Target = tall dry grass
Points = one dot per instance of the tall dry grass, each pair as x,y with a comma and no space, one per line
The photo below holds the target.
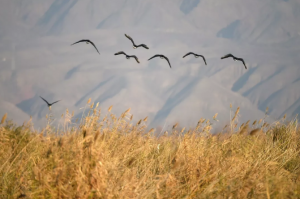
115,158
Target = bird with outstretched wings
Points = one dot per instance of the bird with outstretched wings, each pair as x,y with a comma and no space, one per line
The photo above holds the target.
162,57
87,42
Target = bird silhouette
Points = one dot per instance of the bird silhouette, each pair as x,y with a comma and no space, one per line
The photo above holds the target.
127,56
235,59
87,42
50,104
136,46
196,56
162,57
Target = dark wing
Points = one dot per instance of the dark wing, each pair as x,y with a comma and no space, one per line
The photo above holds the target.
94,46
167,60
143,45
45,101
120,53
135,57
83,40
203,59
54,102
243,62
188,54
154,57
130,39
226,56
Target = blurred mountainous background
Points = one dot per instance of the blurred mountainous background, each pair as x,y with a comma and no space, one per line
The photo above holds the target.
37,59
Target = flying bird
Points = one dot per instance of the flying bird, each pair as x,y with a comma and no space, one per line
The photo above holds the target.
49,105
196,56
162,57
87,42
136,46
235,59
127,56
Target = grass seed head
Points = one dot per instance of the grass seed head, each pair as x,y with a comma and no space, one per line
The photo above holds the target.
236,114
3,118
92,105
242,126
139,122
151,130
127,111
89,100
215,116
267,109
244,130
175,125
145,119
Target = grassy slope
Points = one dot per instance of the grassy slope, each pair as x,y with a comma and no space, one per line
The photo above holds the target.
113,158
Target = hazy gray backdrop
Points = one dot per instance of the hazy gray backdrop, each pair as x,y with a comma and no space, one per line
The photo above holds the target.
36,58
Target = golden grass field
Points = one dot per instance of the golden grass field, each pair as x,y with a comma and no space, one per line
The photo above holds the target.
113,158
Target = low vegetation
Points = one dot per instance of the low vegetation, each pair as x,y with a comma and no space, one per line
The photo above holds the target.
110,157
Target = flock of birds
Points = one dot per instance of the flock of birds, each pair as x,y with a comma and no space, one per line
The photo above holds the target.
87,41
